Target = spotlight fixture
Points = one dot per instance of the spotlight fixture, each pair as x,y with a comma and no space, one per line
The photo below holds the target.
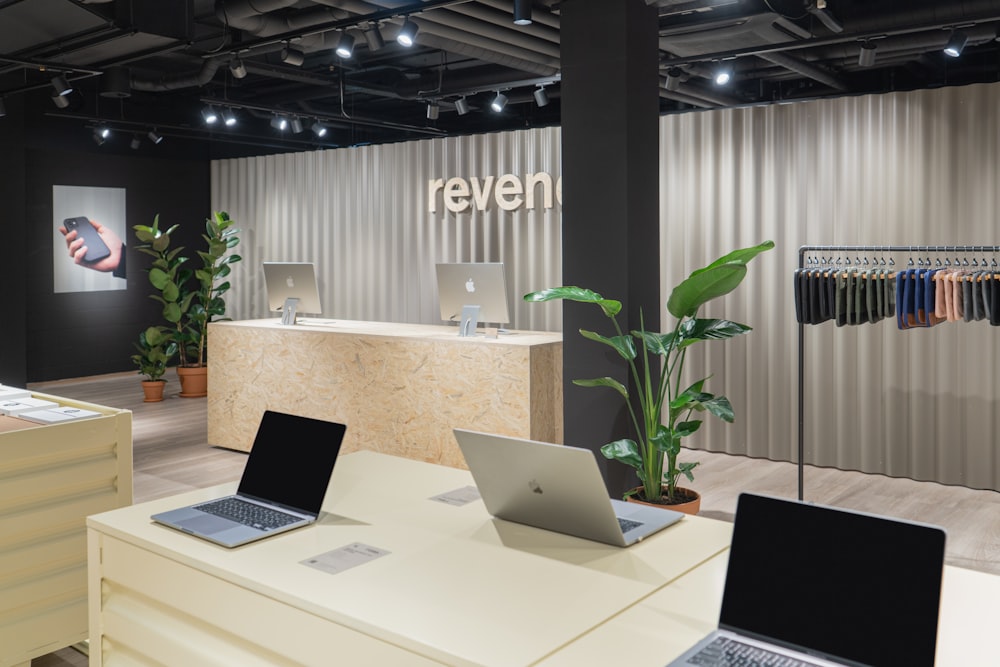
319,129
101,134
61,85
866,56
210,115
135,143
154,136
228,117
673,80
292,56
60,101
433,110
3,108
723,75
296,125
541,97
462,106
956,43
345,48
407,33
279,123
499,102
373,37
237,69
98,139
522,12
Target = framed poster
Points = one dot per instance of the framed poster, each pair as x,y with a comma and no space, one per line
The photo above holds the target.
88,247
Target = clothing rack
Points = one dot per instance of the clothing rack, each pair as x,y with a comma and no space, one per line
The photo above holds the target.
846,262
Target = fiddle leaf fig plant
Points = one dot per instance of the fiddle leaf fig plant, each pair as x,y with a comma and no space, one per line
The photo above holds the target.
662,410
155,350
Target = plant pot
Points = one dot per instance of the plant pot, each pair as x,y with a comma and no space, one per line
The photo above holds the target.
690,501
153,390
194,381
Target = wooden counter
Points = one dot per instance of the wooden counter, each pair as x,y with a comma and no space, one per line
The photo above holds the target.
400,388
51,478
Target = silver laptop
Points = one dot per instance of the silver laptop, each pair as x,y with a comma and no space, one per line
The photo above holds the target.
821,586
555,487
283,484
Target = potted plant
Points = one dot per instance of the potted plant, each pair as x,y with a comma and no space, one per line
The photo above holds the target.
155,350
662,409
191,299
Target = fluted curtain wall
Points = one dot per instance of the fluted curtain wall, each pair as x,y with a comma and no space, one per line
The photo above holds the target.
914,168
362,216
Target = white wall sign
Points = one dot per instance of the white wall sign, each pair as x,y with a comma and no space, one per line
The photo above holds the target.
509,192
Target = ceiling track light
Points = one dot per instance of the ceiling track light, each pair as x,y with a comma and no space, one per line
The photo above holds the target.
723,75
522,12
956,43
541,97
296,125
101,134
98,139
154,136
462,106
60,101
292,56
237,69
319,129
61,85
279,123
433,110
210,115
499,102
866,56
673,80
228,117
135,143
345,48
373,37
407,33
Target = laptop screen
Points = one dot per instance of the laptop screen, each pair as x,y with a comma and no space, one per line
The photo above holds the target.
835,583
292,460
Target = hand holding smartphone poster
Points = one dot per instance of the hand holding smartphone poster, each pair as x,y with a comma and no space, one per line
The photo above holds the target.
88,250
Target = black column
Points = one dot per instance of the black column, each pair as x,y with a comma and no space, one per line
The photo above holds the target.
13,337
610,221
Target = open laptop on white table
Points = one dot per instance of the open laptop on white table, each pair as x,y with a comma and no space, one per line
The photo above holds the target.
555,487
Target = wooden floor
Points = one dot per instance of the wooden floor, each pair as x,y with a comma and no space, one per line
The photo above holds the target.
171,455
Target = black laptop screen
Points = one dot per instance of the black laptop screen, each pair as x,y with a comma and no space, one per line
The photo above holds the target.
292,460
852,586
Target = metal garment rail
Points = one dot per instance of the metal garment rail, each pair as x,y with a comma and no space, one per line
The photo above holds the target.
855,249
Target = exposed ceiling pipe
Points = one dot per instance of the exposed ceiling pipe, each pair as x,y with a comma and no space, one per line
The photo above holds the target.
806,69
502,18
175,82
544,18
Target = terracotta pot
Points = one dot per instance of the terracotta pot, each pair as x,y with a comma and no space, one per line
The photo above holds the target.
194,381
153,390
691,501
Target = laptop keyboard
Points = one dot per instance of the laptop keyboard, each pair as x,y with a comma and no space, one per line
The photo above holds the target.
628,524
248,514
726,652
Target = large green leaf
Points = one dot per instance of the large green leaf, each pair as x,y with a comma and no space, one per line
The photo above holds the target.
656,343
624,345
609,306
604,382
721,408
694,330
624,450
699,289
717,279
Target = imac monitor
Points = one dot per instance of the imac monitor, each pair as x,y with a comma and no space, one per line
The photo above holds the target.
473,284
291,280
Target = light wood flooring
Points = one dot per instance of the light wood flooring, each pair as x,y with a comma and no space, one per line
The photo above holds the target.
171,455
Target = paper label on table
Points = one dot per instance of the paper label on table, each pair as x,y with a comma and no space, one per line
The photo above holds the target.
458,497
345,558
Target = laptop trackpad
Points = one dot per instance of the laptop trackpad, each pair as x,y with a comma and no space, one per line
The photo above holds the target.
205,524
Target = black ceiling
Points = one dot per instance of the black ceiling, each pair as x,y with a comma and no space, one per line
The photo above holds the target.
140,65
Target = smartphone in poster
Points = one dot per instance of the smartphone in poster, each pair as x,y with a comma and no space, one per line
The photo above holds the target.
88,247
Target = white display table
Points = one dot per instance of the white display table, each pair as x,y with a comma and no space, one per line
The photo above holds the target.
400,388
456,587
51,478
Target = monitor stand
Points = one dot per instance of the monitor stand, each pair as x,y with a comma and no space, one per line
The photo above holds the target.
288,311
470,318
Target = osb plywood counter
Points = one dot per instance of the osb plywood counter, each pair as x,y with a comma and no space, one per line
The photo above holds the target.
51,478
400,388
